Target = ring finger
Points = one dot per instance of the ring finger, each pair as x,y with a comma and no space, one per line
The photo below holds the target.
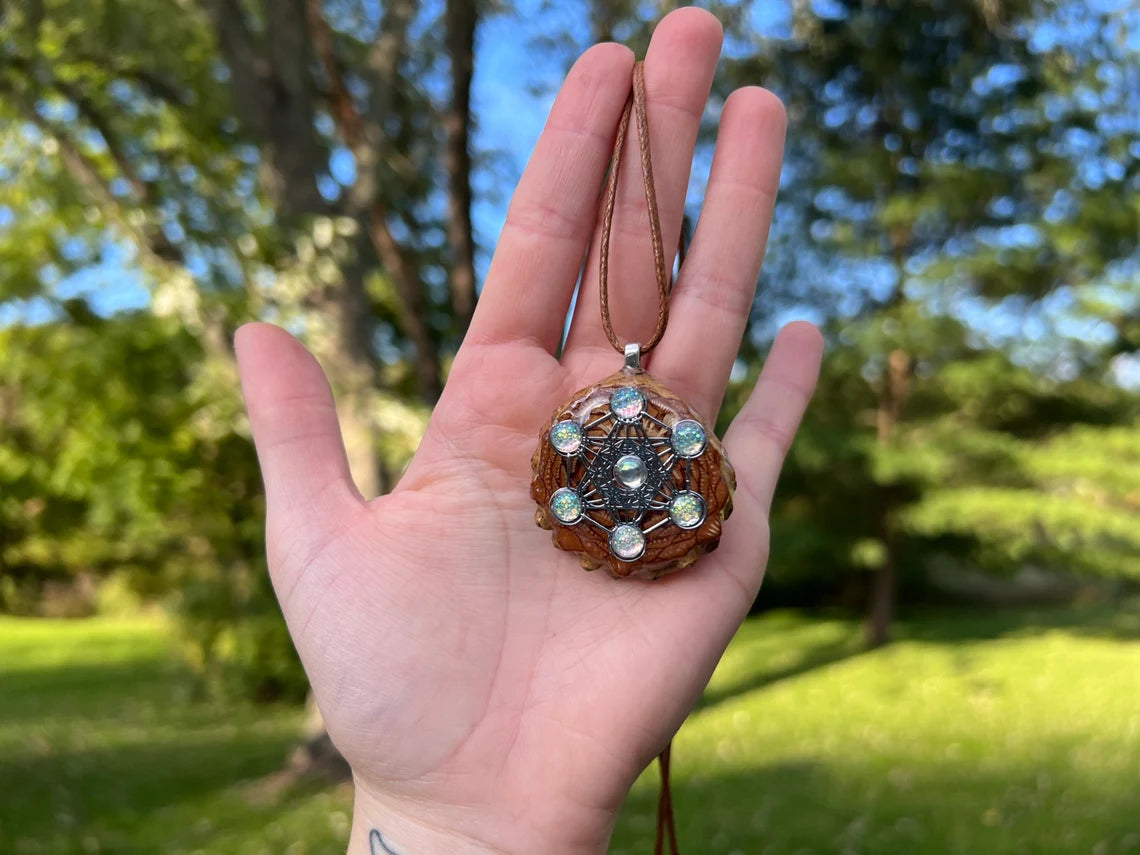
717,285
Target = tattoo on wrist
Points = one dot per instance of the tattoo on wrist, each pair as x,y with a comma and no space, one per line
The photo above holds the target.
378,845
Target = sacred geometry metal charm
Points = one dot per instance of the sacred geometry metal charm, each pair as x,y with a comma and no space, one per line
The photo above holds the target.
628,477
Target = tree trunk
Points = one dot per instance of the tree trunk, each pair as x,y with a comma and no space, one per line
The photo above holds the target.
606,15
315,755
412,308
274,91
354,376
462,17
884,583
355,130
881,606
275,97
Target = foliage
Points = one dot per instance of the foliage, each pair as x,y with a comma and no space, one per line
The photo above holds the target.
995,463
1071,502
94,467
953,149
992,733
126,459
177,141
957,204
115,133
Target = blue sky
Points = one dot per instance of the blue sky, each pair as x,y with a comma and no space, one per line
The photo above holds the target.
511,113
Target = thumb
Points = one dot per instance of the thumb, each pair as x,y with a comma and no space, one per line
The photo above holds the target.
295,429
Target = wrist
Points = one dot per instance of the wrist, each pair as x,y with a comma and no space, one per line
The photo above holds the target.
380,829
382,826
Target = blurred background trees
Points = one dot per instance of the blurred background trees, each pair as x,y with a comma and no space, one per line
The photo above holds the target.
965,174
960,211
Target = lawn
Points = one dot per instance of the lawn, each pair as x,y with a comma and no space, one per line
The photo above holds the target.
1009,732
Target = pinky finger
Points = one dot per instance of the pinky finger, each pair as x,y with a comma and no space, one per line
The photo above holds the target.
759,438
761,434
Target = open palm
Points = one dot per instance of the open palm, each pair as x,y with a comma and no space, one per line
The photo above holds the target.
489,694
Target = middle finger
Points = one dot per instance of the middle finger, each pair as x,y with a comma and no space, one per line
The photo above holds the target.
679,67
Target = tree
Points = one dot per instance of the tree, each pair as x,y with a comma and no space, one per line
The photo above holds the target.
938,160
256,159
118,461
217,180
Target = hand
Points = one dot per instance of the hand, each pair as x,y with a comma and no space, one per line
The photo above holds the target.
489,694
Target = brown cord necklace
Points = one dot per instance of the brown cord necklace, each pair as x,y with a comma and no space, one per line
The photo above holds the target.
636,101
626,474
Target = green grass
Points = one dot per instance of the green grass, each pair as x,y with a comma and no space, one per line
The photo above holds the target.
1010,732
104,749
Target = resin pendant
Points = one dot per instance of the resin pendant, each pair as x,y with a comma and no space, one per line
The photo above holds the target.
630,478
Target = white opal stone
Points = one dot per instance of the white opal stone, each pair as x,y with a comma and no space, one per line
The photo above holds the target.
689,438
627,542
627,403
687,509
566,505
566,437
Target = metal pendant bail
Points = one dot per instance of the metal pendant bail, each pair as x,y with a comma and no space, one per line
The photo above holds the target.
633,358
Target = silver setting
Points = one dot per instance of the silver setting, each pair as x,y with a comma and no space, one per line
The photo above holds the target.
624,480
632,358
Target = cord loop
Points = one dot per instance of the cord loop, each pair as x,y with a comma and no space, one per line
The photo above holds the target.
635,105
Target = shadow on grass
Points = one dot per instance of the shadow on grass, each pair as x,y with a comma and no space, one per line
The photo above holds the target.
951,808
784,645
808,658
116,784
89,689
99,748
1118,620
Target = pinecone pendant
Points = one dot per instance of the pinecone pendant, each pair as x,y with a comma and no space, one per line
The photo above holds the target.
630,478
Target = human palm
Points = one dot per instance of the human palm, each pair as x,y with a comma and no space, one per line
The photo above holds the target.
488,693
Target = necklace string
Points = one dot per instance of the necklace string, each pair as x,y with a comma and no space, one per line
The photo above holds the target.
666,824
635,105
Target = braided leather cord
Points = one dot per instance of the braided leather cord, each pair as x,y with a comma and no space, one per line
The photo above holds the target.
636,106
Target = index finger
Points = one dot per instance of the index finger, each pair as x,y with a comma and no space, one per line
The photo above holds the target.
551,216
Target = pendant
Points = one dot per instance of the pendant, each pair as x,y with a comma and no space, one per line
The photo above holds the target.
630,478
